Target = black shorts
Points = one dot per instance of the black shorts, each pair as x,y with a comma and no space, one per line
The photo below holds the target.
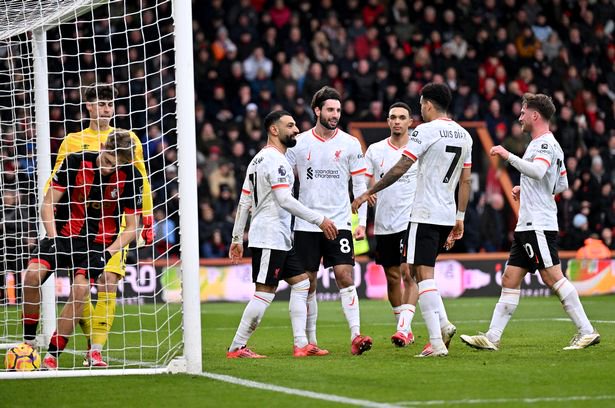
269,266
66,253
534,250
389,248
424,242
311,246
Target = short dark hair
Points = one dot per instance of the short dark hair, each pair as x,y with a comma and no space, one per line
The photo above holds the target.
438,94
273,117
401,105
541,103
121,144
323,94
103,92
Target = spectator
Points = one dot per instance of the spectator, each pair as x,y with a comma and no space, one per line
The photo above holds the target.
607,238
223,175
257,61
493,224
166,234
578,234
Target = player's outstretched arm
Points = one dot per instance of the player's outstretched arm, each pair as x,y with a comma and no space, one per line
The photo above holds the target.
400,168
535,169
128,235
52,197
285,199
147,232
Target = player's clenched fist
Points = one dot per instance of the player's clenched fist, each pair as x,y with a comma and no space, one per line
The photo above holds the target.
329,229
500,151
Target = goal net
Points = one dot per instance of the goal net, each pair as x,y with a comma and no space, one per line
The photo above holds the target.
51,52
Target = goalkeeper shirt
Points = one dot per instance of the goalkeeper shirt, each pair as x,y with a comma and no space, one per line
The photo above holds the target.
90,140
93,203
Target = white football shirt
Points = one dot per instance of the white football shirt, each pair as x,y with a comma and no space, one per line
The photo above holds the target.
442,149
537,209
394,204
270,225
324,168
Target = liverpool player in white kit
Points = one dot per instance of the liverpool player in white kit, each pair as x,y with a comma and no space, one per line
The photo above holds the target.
443,150
543,175
267,190
392,214
326,159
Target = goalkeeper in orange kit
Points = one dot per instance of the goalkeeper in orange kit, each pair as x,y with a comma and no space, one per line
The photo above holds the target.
97,321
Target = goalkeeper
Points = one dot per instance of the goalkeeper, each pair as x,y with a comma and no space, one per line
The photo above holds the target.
97,321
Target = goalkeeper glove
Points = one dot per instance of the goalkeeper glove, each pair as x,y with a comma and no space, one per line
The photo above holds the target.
98,260
147,233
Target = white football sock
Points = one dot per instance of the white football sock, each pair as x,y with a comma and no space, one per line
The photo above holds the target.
504,309
406,315
350,304
429,300
312,316
252,316
569,297
442,315
297,307
396,311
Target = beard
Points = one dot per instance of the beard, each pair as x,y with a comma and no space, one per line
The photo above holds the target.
289,141
326,124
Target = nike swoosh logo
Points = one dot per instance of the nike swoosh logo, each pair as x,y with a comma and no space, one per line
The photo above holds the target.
309,155
401,324
352,303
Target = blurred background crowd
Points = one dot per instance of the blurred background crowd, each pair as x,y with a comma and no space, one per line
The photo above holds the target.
253,56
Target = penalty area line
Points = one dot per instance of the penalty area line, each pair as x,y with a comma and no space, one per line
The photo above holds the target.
297,392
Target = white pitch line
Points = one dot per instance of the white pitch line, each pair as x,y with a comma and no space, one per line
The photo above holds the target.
507,400
297,392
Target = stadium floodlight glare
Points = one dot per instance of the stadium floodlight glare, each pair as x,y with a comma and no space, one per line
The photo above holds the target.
50,51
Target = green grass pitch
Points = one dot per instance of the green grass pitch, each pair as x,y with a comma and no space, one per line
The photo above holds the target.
531,369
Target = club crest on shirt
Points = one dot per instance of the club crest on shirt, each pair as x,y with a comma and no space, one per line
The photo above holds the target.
114,193
338,153
544,146
282,171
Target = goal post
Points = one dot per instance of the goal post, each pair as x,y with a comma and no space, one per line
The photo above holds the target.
50,51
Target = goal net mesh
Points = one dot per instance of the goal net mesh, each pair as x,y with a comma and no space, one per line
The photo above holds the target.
129,44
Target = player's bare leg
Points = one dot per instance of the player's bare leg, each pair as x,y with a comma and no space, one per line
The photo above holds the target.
403,302
70,315
350,305
34,276
503,311
569,297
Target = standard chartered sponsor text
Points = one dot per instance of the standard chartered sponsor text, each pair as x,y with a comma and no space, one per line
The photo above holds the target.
326,173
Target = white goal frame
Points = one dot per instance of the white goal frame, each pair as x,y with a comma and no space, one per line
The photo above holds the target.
191,360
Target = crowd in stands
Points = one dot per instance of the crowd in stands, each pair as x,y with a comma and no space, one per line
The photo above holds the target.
253,56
